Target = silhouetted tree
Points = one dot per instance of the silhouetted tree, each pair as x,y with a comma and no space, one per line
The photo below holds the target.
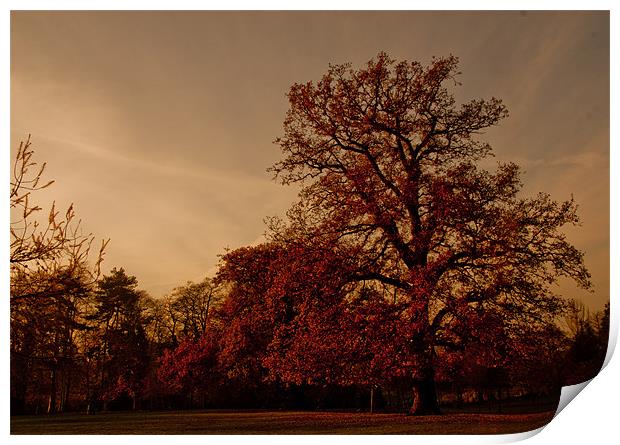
587,342
122,348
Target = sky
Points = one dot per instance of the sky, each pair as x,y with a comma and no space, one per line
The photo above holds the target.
159,126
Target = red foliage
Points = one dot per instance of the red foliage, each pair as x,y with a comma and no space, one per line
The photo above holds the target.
192,365
387,159
402,258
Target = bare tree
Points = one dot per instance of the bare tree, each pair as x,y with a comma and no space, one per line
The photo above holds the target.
192,306
55,247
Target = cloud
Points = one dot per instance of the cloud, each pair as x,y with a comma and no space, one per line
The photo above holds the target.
161,139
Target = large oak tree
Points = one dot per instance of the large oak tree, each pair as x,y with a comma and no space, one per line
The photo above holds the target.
389,164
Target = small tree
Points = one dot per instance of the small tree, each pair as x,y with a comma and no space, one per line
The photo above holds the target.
191,368
247,315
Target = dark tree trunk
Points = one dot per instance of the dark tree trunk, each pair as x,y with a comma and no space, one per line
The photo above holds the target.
424,391
372,398
424,397
20,372
51,404
66,388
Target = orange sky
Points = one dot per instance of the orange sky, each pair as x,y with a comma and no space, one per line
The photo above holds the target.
159,126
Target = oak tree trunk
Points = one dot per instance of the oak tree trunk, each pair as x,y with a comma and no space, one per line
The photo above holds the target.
424,394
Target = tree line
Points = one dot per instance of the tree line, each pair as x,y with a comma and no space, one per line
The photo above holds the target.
233,342
405,274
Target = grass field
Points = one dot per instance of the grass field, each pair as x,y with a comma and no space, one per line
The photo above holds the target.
275,422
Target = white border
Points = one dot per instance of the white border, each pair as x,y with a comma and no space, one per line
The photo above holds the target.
592,417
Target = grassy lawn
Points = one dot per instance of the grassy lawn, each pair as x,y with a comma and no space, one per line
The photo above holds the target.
275,422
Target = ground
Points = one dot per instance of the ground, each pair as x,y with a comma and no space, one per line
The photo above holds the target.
275,422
